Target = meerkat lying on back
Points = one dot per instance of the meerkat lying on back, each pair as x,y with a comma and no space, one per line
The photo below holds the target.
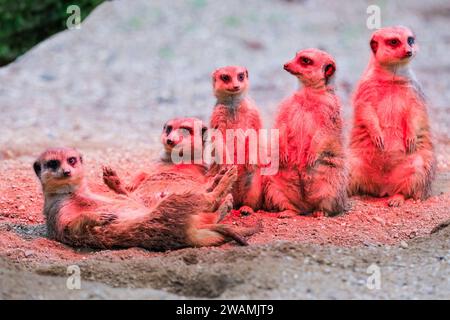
166,177
78,217
235,110
391,151
312,174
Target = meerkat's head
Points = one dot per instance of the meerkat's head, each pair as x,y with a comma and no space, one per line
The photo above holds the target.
60,170
393,45
230,81
181,134
313,67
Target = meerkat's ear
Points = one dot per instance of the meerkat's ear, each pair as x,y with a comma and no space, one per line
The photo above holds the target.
374,45
166,125
204,135
213,76
329,70
246,72
81,159
37,168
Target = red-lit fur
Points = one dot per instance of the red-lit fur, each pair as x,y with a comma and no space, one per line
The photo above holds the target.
235,110
79,217
312,174
165,177
391,152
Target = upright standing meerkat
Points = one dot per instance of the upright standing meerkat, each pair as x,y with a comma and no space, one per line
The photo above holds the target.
234,110
312,175
79,217
166,177
391,152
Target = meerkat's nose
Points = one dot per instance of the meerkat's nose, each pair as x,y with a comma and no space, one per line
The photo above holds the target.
67,173
408,54
170,142
236,87
286,66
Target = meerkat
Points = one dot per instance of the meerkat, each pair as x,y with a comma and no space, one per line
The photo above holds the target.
312,176
236,111
166,177
391,151
81,218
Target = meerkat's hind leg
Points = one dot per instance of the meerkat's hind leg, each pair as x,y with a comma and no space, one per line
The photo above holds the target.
253,198
215,197
112,180
359,182
225,207
215,181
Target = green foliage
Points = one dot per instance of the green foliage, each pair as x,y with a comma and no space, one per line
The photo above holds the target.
25,23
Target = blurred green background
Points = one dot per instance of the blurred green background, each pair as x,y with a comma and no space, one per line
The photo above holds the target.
25,23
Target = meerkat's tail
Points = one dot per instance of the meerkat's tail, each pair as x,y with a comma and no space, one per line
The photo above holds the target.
214,234
237,233
229,234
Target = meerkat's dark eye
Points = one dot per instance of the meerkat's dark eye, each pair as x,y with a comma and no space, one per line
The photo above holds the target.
411,41
393,42
306,61
241,76
53,164
168,129
225,78
72,161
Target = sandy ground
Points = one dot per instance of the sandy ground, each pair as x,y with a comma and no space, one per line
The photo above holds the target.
108,88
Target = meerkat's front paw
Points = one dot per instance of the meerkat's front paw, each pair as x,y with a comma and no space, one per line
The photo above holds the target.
410,144
286,214
318,214
107,218
216,179
108,172
379,142
230,175
246,211
111,179
311,159
396,200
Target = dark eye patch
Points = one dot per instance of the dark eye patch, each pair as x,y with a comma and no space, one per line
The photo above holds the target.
225,78
411,40
393,42
72,161
241,76
305,61
168,129
53,164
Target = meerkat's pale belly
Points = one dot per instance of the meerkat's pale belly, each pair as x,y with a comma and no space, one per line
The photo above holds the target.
299,139
391,115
